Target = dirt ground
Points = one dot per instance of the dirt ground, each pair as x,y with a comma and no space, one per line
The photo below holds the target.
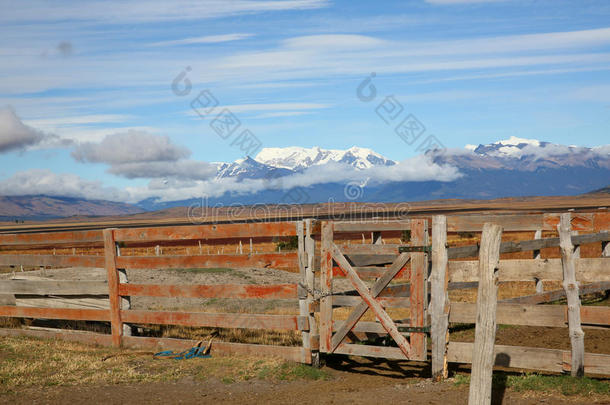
353,386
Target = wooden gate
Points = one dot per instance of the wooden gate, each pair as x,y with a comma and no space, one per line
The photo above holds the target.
384,265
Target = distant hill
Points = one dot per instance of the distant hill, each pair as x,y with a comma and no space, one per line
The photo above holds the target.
605,190
37,207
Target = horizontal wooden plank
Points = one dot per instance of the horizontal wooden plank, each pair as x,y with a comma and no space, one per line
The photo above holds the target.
51,238
372,226
202,232
352,301
530,358
216,320
63,301
588,270
533,315
52,260
272,291
510,222
56,313
579,221
460,252
67,335
272,260
554,295
290,353
53,287
512,314
392,353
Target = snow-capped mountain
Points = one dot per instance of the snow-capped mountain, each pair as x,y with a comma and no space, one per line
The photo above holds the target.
297,158
508,168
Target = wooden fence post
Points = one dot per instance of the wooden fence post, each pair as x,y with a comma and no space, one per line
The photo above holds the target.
487,303
125,301
302,292
439,305
314,333
326,270
113,287
538,256
570,285
418,287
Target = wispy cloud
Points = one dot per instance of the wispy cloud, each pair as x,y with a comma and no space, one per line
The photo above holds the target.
209,39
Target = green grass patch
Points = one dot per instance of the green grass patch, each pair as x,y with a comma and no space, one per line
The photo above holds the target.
564,384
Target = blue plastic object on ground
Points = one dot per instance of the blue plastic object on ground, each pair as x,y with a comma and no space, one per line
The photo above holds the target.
193,352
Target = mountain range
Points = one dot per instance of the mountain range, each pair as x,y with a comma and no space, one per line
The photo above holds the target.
514,167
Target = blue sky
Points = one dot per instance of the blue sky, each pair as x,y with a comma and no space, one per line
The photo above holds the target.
471,71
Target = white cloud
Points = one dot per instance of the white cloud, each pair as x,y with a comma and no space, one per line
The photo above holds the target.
45,182
130,147
15,135
209,39
138,154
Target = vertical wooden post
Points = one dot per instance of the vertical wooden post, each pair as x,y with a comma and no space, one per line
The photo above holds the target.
606,249
570,285
326,304
418,287
439,305
314,334
113,287
485,329
303,309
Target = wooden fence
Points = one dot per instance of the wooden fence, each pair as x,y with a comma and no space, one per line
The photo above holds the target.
405,286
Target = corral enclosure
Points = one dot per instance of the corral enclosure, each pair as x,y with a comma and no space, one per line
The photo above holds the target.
391,288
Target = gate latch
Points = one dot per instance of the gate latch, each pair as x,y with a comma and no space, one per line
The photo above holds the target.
410,249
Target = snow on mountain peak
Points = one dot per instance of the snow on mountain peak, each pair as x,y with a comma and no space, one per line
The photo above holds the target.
516,141
298,158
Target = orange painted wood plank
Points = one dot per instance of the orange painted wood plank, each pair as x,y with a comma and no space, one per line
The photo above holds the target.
51,238
275,291
220,231
418,296
113,287
56,313
272,260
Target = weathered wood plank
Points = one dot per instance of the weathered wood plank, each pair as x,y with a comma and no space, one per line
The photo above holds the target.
439,304
314,333
392,353
63,301
216,320
326,304
531,358
52,238
52,260
370,327
372,226
532,315
588,270
485,329
303,304
509,222
112,276
375,307
418,288
528,245
199,232
272,260
67,335
275,291
373,272
56,313
53,287
570,285
555,295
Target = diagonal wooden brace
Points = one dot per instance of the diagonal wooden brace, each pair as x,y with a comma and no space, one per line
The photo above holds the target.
370,301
